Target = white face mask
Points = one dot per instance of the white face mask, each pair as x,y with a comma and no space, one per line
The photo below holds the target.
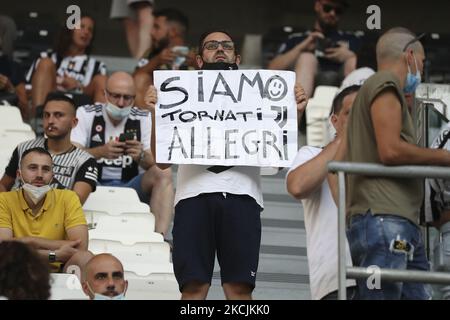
36,194
98,296
117,113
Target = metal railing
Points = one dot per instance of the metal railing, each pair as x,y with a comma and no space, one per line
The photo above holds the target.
383,171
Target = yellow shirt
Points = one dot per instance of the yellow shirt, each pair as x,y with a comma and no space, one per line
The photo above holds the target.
61,211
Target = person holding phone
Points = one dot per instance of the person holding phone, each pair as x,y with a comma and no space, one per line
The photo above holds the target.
117,134
168,51
322,55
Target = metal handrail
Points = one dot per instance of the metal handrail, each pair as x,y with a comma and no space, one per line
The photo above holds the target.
370,169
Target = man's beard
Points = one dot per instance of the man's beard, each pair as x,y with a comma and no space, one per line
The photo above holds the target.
326,27
160,45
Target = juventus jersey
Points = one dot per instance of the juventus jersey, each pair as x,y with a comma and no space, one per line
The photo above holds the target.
68,168
82,68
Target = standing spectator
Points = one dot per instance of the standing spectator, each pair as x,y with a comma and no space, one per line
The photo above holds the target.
217,209
50,220
117,134
437,214
168,50
69,67
104,278
383,212
73,168
137,17
24,275
323,55
307,181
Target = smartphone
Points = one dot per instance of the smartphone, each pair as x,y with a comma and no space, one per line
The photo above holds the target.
181,53
323,44
126,136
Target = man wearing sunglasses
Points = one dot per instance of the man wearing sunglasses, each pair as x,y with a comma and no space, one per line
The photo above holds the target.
217,208
323,55
117,134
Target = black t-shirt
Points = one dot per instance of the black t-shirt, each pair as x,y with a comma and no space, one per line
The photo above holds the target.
12,70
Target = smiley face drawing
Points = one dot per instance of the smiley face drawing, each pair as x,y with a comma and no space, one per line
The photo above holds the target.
276,88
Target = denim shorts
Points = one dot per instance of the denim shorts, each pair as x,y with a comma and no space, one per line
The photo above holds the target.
392,242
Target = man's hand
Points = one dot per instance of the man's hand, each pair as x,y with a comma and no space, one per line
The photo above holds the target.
134,149
67,251
309,44
151,98
68,83
113,149
301,99
339,54
5,84
167,56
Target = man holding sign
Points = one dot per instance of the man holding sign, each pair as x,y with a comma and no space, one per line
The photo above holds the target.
218,199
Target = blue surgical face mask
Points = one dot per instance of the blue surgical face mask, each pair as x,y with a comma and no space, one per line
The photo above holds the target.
412,81
117,113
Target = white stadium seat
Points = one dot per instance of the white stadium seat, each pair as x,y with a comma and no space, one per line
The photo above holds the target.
154,287
66,286
155,251
126,229
115,201
317,115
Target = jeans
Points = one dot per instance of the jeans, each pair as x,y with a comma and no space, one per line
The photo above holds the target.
387,241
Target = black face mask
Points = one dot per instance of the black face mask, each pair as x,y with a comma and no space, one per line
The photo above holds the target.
219,66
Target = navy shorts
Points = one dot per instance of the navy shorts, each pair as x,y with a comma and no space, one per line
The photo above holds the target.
226,224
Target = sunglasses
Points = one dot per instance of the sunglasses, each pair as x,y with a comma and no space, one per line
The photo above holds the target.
413,40
214,44
327,8
116,96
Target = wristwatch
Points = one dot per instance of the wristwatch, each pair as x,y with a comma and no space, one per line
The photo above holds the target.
141,156
52,256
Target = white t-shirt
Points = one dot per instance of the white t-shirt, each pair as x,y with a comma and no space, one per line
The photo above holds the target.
320,214
193,180
81,134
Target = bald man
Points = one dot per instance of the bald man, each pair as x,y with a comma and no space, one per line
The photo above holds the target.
384,212
103,278
117,134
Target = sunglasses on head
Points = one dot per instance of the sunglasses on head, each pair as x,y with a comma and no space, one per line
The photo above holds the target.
327,8
214,44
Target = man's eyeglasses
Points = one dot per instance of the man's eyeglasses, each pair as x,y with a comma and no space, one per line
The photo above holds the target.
214,44
127,98
327,8
413,40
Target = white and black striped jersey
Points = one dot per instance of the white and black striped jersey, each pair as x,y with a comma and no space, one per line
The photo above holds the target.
68,168
95,128
82,68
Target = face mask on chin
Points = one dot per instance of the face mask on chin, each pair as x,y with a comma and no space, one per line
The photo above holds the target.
36,194
412,81
117,113
98,296
219,66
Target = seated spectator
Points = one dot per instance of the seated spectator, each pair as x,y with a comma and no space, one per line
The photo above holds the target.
118,135
168,50
69,67
323,55
137,18
103,278
12,85
73,168
50,220
23,273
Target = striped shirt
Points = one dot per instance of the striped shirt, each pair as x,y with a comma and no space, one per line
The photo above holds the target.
82,68
68,168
